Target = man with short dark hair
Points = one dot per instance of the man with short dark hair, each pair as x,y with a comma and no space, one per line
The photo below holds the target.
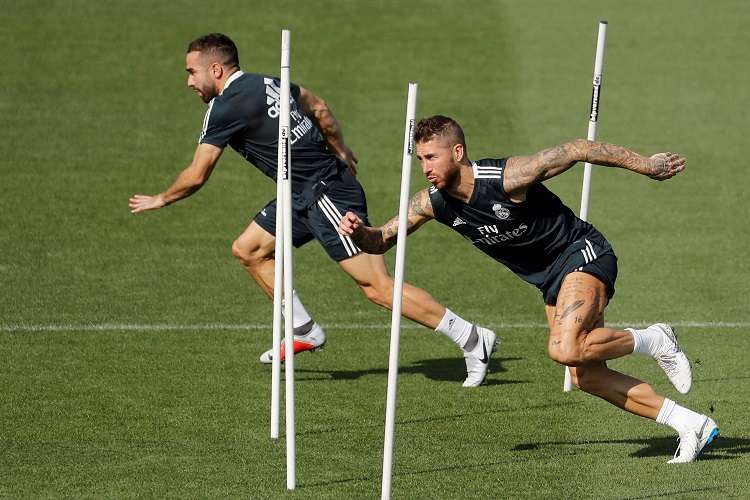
502,207
243,111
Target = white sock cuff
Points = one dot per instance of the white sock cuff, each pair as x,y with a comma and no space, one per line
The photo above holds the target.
636,339
299,313
647,341
454,327
443,326
666,410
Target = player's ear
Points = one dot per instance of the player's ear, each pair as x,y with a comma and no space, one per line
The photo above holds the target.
216,70
458,152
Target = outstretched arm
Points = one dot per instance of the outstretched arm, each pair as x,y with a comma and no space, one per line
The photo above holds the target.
189,181
380,239
318,111
522,172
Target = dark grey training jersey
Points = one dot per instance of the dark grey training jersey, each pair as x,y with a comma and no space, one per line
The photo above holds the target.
531,238
245,116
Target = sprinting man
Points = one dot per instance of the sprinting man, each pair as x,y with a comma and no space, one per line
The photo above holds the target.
243,110
502,207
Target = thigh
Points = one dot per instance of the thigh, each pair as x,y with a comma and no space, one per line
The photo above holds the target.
266,220
256,240
366,269
579,308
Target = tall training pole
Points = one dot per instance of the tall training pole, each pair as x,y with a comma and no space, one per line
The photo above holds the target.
398,287
278,288
291,451
593,120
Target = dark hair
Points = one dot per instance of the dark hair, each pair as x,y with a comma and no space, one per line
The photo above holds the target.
440,126
219,45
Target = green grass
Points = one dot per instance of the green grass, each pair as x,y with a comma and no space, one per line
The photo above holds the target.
94,108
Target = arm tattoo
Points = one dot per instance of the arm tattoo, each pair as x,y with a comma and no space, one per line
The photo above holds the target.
609,155
371,239
522,172
420,207
379,240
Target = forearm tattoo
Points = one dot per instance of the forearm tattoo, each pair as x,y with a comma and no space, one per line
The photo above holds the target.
611,155
371,240
380,240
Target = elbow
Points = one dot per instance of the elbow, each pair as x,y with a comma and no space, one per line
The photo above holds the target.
192,184
196,183
196,177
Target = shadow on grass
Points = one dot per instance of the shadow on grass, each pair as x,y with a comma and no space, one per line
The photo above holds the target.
405,473
441,369
723,448
676,492
448,417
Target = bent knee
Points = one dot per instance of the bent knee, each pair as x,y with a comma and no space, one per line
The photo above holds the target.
380,293
250,254
565,352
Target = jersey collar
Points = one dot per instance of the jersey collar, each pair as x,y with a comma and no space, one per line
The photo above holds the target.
232,78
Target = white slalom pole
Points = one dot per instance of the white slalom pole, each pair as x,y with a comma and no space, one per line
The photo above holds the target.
398,286
286,180
593,120
278,274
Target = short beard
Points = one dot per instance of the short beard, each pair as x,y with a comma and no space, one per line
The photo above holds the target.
206,98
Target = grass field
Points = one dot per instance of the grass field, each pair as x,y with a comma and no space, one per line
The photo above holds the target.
130,344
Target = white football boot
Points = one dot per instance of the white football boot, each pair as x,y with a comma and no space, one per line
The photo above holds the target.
694,441
672,360
313,340
478,359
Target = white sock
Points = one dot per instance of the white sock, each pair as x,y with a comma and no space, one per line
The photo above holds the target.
678,417
455,328
299,314
647,341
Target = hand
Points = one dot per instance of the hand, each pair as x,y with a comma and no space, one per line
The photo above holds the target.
350,223
347,156
662,166
141,203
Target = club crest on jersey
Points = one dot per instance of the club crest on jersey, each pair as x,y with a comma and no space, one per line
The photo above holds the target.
500,211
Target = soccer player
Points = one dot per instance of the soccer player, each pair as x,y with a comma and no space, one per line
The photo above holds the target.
502,207
243,110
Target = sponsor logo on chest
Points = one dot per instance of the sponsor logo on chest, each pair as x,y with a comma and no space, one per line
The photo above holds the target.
490,234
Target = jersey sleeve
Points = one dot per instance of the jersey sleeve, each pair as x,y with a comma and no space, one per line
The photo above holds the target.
220,124
294,91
